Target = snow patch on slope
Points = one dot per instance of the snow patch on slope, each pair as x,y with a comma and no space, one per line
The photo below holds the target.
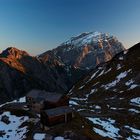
136,133
119,66
118,78
13,130
135,101
133,86
134,110
94,74
20,100
39,136
71,102
59,138
128,83
108,128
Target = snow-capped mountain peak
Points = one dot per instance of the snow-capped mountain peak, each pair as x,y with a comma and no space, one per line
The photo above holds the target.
87,50
87,38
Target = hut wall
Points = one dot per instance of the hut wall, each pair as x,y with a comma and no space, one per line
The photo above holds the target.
37,107
49,121
64,101
44,118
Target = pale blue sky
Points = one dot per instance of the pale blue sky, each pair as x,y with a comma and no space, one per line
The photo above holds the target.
40,25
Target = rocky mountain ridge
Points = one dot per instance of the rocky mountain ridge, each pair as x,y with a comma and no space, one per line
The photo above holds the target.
85,51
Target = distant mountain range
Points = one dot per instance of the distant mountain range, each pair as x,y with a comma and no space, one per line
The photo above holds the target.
57,69
110,96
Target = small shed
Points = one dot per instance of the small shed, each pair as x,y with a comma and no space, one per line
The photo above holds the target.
40,99
56,115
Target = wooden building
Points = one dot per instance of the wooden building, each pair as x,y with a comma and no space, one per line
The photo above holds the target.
56,115
40,99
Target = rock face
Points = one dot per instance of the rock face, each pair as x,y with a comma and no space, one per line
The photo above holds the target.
5,119
55,70
14,82
20,72
109,94
85,51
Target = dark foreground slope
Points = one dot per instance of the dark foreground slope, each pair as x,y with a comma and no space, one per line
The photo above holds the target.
109,97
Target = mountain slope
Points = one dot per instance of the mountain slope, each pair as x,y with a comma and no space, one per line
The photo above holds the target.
109,96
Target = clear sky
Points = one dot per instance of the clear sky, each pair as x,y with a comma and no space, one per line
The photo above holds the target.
40,25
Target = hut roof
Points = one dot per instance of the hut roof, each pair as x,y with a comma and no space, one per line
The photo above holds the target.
40,95
58,111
